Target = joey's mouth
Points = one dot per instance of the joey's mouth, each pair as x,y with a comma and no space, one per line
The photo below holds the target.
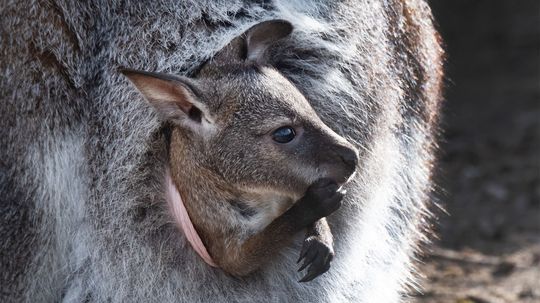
347,180
342,185
341,179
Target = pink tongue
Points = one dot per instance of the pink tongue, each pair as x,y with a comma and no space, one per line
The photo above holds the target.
182,218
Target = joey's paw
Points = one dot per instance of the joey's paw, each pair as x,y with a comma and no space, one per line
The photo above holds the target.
317,255
324,197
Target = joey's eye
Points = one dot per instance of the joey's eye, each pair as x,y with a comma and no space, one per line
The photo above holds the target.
284,134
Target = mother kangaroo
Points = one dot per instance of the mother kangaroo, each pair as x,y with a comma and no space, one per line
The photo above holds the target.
83,213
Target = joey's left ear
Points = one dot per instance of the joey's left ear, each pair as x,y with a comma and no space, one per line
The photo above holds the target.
174,97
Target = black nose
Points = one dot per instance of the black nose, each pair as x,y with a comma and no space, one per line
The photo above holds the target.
349,157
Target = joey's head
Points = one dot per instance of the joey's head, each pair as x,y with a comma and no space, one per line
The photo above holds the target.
242,120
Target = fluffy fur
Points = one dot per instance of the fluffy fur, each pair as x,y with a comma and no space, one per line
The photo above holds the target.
82,209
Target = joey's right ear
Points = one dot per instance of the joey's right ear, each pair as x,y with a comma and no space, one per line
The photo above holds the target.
174,98
253,44
261,36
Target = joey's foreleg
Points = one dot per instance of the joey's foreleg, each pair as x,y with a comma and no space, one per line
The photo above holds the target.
321,199
317,250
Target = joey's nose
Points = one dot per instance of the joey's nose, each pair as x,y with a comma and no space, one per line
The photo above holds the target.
340,164
349,157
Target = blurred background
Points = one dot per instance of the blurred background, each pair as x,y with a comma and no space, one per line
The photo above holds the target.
489,246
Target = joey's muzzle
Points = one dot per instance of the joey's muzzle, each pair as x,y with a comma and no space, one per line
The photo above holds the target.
349,157
340,163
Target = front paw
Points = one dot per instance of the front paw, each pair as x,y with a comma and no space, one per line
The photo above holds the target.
317,254
324,197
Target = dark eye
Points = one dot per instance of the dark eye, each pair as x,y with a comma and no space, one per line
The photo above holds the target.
284,134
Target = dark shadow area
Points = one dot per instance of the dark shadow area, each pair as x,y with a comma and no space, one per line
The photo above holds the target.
490,159
491,149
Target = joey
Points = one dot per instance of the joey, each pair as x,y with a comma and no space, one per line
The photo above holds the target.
251,159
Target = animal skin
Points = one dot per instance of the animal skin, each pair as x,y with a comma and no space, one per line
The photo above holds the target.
82,197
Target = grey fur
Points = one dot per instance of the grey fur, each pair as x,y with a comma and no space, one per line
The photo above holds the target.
82,158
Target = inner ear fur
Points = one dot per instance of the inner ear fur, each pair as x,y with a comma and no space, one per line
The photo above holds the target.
173,97
253,44
261,36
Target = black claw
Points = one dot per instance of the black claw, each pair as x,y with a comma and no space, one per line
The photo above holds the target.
309,259
303,252
303,266
317,257
309,276
303,280
314,272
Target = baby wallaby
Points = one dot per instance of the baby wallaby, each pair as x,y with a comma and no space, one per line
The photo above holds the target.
251,159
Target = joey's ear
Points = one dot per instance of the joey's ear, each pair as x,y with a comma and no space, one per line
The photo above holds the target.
253,43
261,36
174,97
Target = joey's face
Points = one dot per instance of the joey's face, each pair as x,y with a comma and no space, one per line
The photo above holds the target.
268,137
247,123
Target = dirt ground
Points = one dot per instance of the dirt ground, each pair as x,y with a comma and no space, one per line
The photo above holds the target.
489,242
